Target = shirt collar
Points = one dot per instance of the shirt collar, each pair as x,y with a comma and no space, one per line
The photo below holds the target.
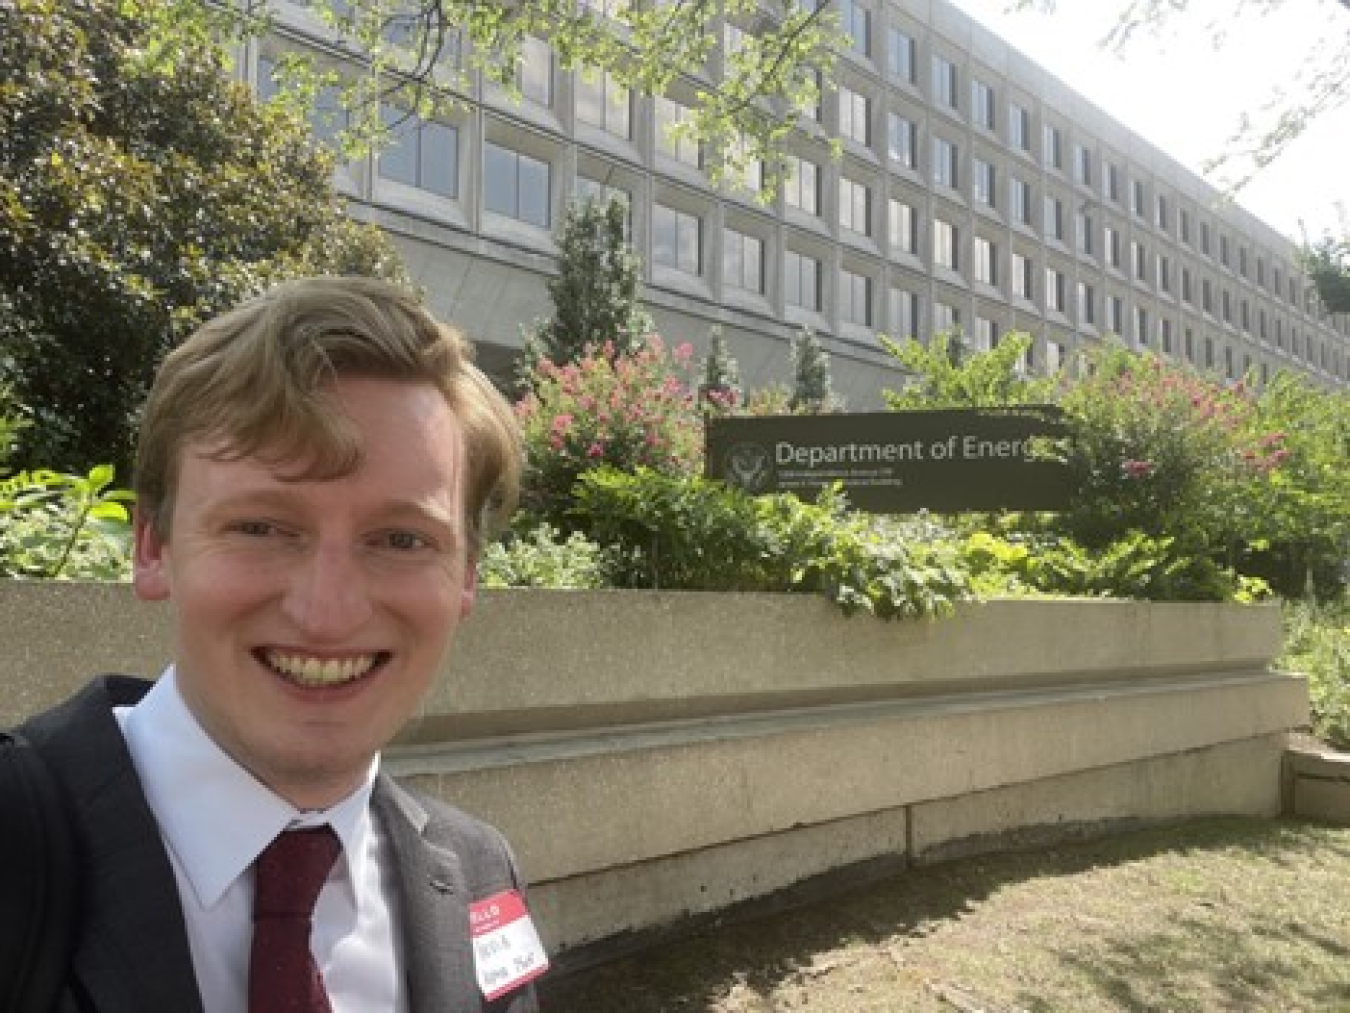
214,815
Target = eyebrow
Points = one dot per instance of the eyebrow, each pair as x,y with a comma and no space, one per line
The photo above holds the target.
407,510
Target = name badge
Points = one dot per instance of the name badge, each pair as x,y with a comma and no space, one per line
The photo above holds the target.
507,951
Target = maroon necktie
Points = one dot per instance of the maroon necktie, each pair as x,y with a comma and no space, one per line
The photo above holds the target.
282,976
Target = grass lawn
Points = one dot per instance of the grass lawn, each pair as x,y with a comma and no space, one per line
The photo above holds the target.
1215,915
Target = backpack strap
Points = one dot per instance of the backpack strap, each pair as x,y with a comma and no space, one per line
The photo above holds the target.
39,879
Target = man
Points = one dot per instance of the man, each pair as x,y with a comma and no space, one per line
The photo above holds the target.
315,473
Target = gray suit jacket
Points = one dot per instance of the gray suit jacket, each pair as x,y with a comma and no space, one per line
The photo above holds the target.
132,954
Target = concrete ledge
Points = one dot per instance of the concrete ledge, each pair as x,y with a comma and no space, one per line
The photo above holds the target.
1318,784
660,757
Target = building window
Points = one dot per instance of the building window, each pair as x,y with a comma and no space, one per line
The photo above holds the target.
1137,202
604,103
944,82
855,116
1082,164
986,261
1087,304
1083,232
900,53
945,163
1113,183
677,239
1054,218
1019,127
982,104
902,226
1111,241
1164,273
945,244
516,185
855,21
1140,326
801,280
1164,213
855,298
1021,276
421,153
983,181
1054,147
534,72
669,142
903,140
986,334
1115,315
1054,290
1138,260
946,318
855,206
742,261
802,187
1019,200
1184,221
904,312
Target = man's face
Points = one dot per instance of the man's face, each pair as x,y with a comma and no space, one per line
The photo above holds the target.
311,616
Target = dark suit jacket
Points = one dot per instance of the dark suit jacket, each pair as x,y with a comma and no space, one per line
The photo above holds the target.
132,954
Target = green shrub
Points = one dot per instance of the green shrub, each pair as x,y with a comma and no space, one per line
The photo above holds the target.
54,525
697,534
1317,644
544,558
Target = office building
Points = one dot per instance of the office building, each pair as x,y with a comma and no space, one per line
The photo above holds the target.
975,192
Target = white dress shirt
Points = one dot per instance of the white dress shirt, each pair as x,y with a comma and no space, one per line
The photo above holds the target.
216,818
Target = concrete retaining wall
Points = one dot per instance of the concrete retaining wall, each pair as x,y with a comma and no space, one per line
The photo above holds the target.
659,755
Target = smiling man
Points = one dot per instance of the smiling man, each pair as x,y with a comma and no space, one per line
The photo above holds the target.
316,472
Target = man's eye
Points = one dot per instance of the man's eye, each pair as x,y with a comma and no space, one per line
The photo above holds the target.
255,529
404,541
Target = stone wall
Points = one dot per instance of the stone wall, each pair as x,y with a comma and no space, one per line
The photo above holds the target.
659,756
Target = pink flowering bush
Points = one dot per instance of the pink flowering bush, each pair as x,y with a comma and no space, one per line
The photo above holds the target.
1167,453
627,411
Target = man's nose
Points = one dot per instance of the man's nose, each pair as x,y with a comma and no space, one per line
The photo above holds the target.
327,597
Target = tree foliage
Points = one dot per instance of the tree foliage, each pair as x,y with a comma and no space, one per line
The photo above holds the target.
141,191
812,386
984,379
597,292
720,391
744,84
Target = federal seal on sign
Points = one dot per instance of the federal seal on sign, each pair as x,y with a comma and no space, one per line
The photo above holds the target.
747,466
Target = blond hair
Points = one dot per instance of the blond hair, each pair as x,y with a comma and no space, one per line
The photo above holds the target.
252,380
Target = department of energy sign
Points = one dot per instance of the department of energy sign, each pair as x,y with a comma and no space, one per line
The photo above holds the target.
899,462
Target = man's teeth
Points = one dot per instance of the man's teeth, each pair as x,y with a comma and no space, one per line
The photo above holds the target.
311,671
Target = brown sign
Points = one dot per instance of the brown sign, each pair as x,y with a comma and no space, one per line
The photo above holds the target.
899,462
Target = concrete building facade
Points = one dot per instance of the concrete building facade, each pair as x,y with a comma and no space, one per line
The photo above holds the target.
975,192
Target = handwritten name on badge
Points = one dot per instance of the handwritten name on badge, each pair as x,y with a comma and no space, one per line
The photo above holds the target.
507,951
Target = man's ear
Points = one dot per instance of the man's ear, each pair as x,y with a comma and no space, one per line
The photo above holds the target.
149,560
469,592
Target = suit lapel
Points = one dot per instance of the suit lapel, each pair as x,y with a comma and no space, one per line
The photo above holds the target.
133,953
434,899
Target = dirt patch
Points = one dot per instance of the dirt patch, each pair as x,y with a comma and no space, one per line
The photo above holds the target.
1210,916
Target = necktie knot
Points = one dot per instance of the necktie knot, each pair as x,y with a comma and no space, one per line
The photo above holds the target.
291,871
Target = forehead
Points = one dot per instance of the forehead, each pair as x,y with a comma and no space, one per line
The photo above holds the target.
399,435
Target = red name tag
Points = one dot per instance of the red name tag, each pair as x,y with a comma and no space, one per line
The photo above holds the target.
507,951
